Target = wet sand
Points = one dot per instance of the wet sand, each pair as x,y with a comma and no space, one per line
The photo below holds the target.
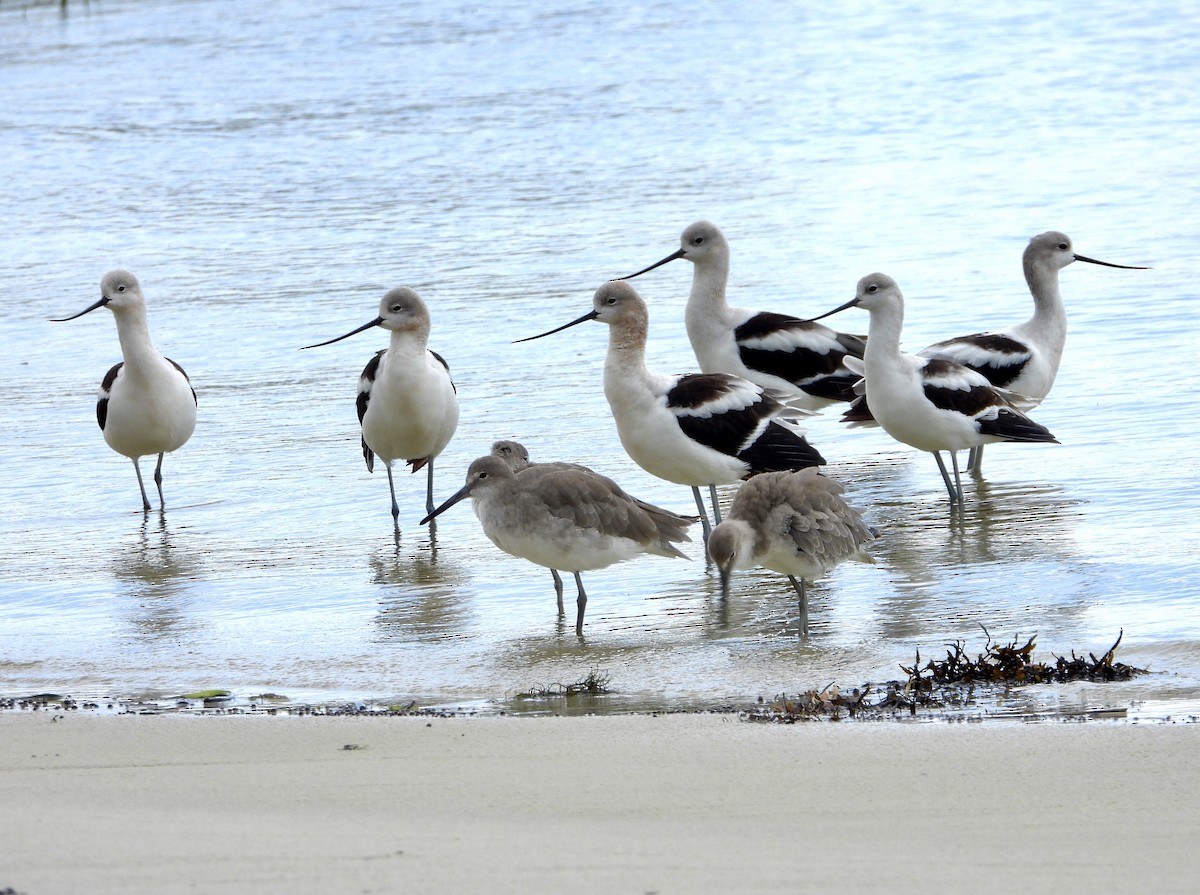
639,804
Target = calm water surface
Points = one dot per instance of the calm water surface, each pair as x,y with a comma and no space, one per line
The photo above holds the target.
269,171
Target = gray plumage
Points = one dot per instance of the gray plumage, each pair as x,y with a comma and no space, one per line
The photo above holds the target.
565,516
794,523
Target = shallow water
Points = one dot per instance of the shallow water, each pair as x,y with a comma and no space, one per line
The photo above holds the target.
268,174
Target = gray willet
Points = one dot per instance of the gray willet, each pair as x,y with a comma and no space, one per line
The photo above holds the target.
563,516
794,523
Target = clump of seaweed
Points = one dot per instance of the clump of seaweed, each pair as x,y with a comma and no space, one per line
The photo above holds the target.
828,702
943,683
595,684
1009,663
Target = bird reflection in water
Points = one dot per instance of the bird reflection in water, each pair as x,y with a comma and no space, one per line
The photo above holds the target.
1005,542
156,574
421,596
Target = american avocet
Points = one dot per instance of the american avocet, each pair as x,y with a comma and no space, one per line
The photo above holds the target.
564,516
933,404
516,456
407,405
774,350
693,429
146,403
1021,359
794,523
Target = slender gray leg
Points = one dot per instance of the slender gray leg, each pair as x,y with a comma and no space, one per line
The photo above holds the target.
429,489
392,489
712,491
558,589
581,603
799,585
158,481
145,500
957,478
954,498
975,460
703,512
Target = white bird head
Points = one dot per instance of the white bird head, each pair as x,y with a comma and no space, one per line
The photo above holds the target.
400,310
874,292
120,292
699,243
1052,250
615,303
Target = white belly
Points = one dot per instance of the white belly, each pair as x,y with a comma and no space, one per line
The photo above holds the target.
152,415
408,420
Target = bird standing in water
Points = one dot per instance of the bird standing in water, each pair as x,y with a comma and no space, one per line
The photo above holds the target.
692,429
146,403
794,523
407,404
932,404
778,351
564,516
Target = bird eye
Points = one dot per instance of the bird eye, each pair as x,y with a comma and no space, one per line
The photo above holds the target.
120,288
698,240
483,475
610,301
872,288
1063,246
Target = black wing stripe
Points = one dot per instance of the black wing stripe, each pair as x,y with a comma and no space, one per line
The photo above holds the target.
725,432
105,390
697,389
1012,356
966,401
364,394
186,378
794,366
441,360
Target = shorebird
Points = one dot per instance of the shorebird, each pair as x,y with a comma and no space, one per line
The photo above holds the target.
146,403
516,456
795,356
933,404
1021,359
794,523
692,429
407,404
564,516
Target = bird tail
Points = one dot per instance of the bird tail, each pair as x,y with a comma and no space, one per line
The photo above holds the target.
1012,426
859,415
778,449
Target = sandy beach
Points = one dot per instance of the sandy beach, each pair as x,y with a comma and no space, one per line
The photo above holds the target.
641,804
